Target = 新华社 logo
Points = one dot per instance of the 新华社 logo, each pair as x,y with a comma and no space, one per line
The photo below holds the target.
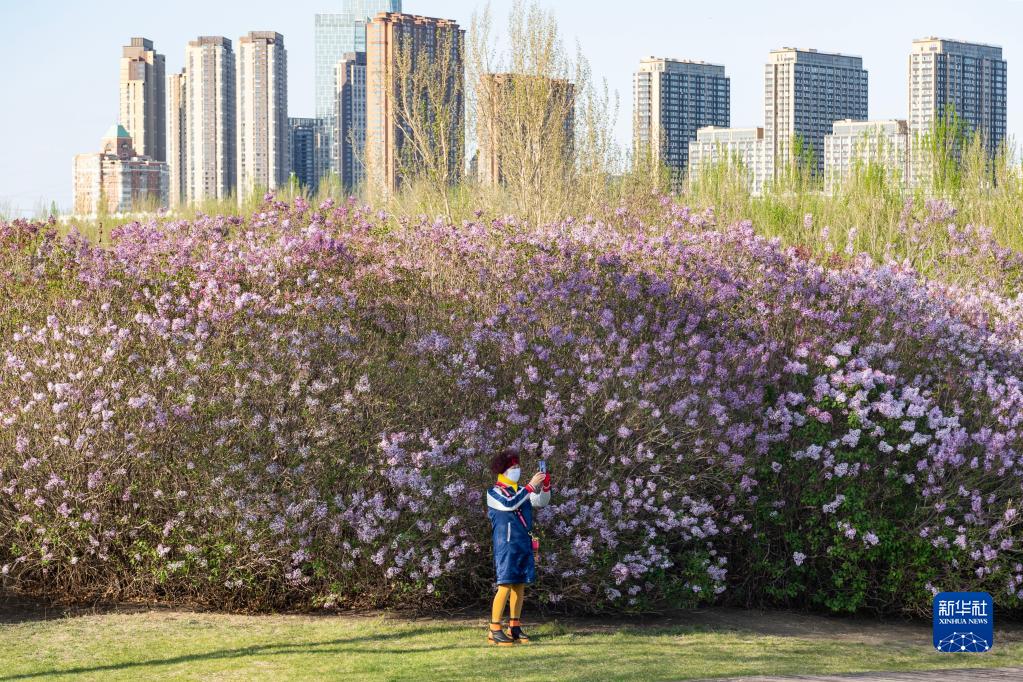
964,622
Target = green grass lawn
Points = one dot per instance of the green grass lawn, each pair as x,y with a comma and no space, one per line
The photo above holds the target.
175,645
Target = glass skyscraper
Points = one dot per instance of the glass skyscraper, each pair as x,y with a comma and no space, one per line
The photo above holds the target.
335,35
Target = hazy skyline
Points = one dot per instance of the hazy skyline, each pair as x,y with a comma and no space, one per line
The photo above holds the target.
61,59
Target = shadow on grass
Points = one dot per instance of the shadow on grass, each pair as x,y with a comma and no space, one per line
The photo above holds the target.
335,646
591,657
283,649
15,609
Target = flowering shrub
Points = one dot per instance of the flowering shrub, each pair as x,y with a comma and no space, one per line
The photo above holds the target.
298,408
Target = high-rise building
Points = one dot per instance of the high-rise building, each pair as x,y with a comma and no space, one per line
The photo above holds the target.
303,151
951,76
117,179
805,92
552,103
884,144
142,98
176,137
740,149
672,99
210,119
262,126
394,39
334,36
349,137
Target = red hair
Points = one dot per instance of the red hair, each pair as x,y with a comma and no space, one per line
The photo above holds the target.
503,461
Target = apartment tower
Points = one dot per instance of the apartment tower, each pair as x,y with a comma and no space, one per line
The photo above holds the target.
805,92
176,137
954,77
349,136
302,149
262,127
672,100
210,118
142,98
388,37
969,78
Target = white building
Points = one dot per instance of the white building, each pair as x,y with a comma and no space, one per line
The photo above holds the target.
210,119
742,149
262,128
864,143
176,130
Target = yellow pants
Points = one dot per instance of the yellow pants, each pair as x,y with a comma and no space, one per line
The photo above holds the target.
514,593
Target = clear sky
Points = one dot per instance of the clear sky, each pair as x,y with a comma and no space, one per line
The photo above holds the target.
59,58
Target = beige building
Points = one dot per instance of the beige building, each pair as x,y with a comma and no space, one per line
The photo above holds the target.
176,137
142,98
262,125
116,179
210,138
884,144
743,150
500,144
388,36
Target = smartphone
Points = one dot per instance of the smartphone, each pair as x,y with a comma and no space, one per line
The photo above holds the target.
543,466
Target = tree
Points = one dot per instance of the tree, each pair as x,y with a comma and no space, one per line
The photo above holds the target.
542,131
425,113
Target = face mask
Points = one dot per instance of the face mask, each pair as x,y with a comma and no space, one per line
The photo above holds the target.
513,474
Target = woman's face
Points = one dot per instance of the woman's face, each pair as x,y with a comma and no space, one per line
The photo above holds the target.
513,473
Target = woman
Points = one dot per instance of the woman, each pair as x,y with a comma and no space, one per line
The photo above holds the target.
510,508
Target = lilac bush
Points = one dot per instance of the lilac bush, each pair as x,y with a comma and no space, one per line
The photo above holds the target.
296,409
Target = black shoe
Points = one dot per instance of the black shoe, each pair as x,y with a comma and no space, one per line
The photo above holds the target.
518,636
499,638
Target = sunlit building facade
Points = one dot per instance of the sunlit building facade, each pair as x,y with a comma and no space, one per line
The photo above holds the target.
142,95
262,123
738,150
852,144
117,179
210,120
387,35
